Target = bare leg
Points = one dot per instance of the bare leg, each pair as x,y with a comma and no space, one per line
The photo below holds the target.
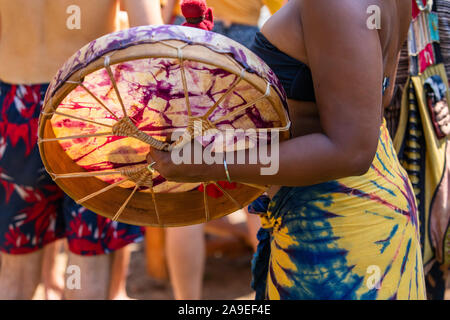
253,225
91,273
52,276
20,275
119,273
185,249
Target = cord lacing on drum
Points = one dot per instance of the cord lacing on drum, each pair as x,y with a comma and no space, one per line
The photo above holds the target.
126,128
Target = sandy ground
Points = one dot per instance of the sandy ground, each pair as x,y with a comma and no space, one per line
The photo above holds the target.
227,270
226,277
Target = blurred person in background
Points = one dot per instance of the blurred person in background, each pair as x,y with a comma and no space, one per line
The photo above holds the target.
237,20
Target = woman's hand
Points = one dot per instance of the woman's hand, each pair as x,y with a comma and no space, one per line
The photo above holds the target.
184,172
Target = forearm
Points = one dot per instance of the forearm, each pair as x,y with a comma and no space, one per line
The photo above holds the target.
301,161
142,12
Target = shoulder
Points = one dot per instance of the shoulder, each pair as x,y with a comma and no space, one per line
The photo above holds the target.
336,9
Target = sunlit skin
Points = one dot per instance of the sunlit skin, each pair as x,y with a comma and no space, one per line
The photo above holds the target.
35,51
34,44
337,136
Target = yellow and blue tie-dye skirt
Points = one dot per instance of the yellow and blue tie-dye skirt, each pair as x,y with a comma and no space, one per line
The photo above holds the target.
352,238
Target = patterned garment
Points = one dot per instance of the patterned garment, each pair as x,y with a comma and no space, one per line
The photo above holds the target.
31,214
392,112
423,156
30,201
417,146
353,238
443,10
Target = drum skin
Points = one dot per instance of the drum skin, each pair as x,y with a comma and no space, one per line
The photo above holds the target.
161,78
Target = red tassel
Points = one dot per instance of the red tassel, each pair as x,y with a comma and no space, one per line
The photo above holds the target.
197,14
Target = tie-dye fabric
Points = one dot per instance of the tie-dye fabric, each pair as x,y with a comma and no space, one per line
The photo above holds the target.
353,238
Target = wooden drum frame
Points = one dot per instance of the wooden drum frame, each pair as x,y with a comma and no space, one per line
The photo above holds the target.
129,205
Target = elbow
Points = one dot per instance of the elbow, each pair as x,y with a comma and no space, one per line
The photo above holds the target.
356,154
359,163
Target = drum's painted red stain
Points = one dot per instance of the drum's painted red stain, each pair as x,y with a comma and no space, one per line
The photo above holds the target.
108,140
69,123
256,117
106,80
80,140
108,165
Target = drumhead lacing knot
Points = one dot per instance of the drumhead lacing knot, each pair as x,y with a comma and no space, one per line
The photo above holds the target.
140,176
126,128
